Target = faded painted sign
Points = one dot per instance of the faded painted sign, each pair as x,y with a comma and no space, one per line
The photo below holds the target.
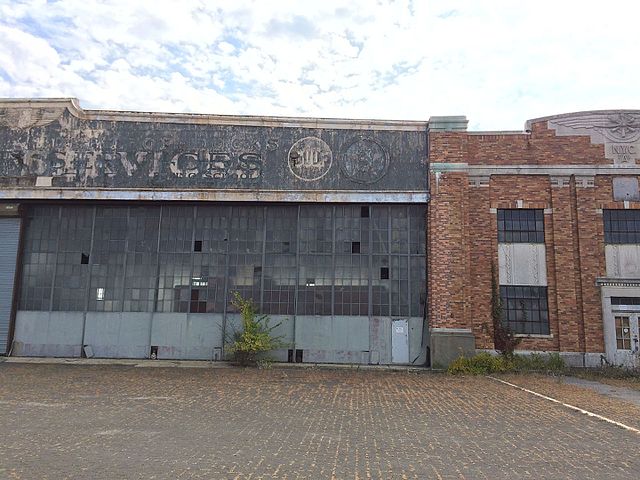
86,152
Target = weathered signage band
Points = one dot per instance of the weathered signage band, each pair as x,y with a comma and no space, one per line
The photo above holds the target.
89,153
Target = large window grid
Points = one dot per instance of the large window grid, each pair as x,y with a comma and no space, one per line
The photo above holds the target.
521,225
246,245
39,260
72,262
141,271
525,309
621,226
279,262
107,259
315,285
417,232
352,260
316,260
210,248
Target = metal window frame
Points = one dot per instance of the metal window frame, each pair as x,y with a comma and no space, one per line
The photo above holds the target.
228,211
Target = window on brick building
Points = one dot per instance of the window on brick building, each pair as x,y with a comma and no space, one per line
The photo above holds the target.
621,226
623,333
625,300
525,309
520,225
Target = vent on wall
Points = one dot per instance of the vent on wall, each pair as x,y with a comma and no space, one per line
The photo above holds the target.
297,358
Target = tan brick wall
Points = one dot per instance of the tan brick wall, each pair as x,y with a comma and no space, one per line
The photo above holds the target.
462,236
447,250
541,147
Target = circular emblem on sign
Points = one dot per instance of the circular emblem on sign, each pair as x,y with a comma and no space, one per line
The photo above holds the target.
310,158
364,160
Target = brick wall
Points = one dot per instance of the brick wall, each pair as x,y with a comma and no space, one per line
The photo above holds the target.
462,236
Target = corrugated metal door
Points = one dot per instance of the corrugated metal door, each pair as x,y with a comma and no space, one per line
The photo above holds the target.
9,236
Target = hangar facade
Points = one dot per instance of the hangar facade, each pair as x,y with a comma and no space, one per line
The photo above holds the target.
124,234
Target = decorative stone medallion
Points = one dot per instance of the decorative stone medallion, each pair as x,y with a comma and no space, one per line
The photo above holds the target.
619,131
310,158
364,160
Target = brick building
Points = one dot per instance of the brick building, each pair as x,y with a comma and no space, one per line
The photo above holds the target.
554,209
124,234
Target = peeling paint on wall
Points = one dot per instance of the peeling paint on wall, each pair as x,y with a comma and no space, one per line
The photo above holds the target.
88,153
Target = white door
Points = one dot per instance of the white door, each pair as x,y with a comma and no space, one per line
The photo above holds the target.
400,341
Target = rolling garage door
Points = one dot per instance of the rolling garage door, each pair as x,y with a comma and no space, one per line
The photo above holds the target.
9,236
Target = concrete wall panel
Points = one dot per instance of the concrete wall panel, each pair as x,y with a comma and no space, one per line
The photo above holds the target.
351,333
623,261
118,335
314,332
522,264
380,340
48,334
187,336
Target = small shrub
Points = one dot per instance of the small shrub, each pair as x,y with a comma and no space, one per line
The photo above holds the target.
484,364
256,336
555,363
480,364
532,362
538,362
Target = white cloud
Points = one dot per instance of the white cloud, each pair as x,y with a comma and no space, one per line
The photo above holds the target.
498,62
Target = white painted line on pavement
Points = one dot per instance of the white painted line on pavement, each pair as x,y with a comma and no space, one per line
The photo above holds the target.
568,405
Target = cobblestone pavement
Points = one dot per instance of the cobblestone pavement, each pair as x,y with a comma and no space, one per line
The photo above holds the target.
112,422
564,389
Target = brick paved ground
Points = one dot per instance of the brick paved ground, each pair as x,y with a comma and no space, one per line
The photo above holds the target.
560,389
111,422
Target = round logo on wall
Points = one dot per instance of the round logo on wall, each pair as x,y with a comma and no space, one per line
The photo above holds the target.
310,158
364,160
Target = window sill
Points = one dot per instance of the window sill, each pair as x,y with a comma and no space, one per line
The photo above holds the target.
532,335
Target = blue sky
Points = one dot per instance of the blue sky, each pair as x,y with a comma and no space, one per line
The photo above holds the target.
498,62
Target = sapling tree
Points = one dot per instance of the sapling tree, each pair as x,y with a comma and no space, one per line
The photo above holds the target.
255,336
504,339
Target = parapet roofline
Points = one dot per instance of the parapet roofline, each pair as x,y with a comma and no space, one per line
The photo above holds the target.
73,105
580,114
435,123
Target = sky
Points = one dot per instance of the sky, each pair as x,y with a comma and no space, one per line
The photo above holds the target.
497,62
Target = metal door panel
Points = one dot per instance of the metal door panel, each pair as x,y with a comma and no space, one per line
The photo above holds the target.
400,341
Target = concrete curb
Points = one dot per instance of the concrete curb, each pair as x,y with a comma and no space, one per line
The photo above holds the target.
145,363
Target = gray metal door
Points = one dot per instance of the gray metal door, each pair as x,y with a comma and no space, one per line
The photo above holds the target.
9,236
400,341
